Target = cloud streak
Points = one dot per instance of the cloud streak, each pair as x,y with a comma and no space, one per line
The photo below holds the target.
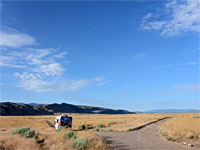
188,87
15,39
102,83
38,69
177,17
36,83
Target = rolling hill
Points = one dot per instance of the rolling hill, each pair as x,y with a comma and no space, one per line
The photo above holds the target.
8,108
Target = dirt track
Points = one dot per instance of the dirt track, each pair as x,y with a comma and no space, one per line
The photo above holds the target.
142,139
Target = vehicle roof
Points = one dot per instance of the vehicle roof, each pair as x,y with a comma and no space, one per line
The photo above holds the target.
58,117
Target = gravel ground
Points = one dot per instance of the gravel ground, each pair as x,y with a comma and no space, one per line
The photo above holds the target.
143,139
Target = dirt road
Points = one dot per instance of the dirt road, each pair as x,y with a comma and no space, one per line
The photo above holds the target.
142,139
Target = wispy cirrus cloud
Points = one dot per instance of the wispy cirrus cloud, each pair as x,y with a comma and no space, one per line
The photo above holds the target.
92,30
176,17
50,69
37,69
102,83
36,83
15,39
188,87
179,66
184,88
125,86
99,79
10,61
121,93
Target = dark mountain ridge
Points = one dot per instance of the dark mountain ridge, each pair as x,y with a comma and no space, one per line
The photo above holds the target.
13,109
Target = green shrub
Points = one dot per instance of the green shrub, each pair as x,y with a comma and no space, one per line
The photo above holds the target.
101,126
82,127
81,143
97,129
29,134
61,127
89,126
190,136
196,117
70,134
170,138
20,131
108,130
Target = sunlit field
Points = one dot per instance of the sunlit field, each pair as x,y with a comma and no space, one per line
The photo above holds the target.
180,126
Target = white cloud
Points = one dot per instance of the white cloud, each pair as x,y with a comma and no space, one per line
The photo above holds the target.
41,70
186,88
192,63
121,93
50,69
37,69
125,86
9,61
37,60
102,83
37,83
99,79
177,17
15,39
187,66
61,54
147,16
39,56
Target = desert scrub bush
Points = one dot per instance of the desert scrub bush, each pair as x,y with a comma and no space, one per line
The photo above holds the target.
81,143
70,134
196,117
189,136
170,138
20,131
101,125
108,130
97,129
82,127
29,134
61,127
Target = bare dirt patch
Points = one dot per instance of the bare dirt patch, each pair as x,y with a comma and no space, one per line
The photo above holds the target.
145,138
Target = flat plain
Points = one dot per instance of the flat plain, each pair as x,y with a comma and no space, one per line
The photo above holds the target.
175,128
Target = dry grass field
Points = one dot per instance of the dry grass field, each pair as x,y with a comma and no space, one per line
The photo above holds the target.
182,127
178,127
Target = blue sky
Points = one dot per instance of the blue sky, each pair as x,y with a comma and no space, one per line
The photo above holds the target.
135,55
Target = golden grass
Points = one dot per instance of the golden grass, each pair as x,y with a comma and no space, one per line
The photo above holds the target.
118,122
182,126
179,126
14,142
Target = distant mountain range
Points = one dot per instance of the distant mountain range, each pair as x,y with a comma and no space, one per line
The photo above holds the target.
8,108
31,104
173,111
